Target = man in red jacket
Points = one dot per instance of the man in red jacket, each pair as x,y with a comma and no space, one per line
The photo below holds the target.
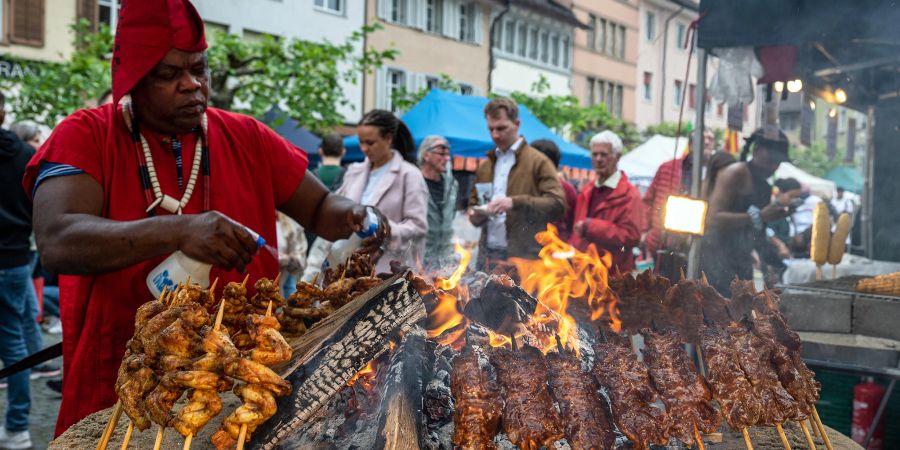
608,212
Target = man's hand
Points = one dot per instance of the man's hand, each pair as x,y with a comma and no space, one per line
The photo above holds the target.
478,217
214,238
500,205
772,213
374,245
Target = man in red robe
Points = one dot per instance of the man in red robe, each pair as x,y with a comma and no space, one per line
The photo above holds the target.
120,187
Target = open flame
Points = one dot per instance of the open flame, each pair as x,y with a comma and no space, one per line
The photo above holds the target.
562,275
464,257
364,372
446,322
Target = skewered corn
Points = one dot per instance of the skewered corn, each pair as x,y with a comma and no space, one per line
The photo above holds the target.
882,284
821,235
839,239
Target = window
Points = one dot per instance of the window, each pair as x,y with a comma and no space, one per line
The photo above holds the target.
509,34
601,36
554,50
618,103
610,38
466,89
678,93
396,80
434,15
648,86
522,36
610,96
650,26
464,23
533,43
591,35
334,6
545,44
26,20
680,32
620,49
591,92
692,96
432,82
565,52
398,11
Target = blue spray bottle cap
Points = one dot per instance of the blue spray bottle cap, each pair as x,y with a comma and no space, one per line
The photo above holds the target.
370,226
260,241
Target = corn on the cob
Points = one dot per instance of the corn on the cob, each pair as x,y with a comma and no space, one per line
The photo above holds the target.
821,235
839,239
883,284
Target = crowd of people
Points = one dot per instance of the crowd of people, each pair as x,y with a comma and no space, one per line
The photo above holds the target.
110,194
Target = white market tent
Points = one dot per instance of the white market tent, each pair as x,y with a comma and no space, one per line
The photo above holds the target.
640,163
818,186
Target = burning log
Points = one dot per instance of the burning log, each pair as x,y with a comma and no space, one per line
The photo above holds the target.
501,306
328,356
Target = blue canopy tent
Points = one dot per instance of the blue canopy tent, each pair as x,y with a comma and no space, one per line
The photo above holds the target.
460,119
295,134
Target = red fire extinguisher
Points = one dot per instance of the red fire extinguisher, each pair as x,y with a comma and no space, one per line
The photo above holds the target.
866,398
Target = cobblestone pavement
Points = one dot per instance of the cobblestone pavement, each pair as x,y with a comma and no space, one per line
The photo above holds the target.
44,403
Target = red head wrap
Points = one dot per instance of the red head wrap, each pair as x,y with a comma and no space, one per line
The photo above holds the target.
147,30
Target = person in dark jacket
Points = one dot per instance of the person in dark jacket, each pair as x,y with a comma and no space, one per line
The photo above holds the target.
15,277
551,151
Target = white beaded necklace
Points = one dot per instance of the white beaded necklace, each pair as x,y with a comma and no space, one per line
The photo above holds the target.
164,201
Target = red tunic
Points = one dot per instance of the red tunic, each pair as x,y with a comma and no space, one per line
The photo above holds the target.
615,221
252,170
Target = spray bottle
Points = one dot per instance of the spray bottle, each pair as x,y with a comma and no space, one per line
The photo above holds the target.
178,267
342,249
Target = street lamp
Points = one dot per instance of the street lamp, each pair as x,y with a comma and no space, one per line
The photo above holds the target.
840,96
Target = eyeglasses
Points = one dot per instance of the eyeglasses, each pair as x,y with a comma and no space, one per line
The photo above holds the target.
434,150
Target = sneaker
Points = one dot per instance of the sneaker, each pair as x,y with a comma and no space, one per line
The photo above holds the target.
44,371
16,440
55,385
52,325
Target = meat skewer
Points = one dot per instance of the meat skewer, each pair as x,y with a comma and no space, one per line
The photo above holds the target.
631,393
529,418
477,400
587,425
680,388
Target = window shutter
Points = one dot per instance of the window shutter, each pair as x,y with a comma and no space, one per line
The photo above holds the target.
27,22
451,19
416,14
477,22
87,9
381,89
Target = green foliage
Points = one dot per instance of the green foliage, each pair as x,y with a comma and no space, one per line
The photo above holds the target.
565,115
301,77
815,160
403,99
669,129
51,91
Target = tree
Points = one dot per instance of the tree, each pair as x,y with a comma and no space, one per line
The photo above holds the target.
669,129
815,160
403,99
51,91
565,115
303,78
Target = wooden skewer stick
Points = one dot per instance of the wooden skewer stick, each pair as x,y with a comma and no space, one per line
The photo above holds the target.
821,429
700,360
784,439
681,271
159,437
747,438
110,426
187,441
242,436
315,279
809,439
219,315
277,277
187,283
269,309
244,283
698,439
703,280
818,273
212,287
834,272
815,429
128,435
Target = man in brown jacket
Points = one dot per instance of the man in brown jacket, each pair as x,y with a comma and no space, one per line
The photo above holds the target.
524,191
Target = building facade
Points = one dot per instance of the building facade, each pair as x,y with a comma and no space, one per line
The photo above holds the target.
435,39
37,30
311,20
606,55
532,40
663,82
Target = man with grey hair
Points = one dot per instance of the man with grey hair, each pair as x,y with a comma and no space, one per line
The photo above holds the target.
434,160
608,212
29,132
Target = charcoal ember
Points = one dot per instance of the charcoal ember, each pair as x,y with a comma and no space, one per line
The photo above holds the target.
438,403
475,282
